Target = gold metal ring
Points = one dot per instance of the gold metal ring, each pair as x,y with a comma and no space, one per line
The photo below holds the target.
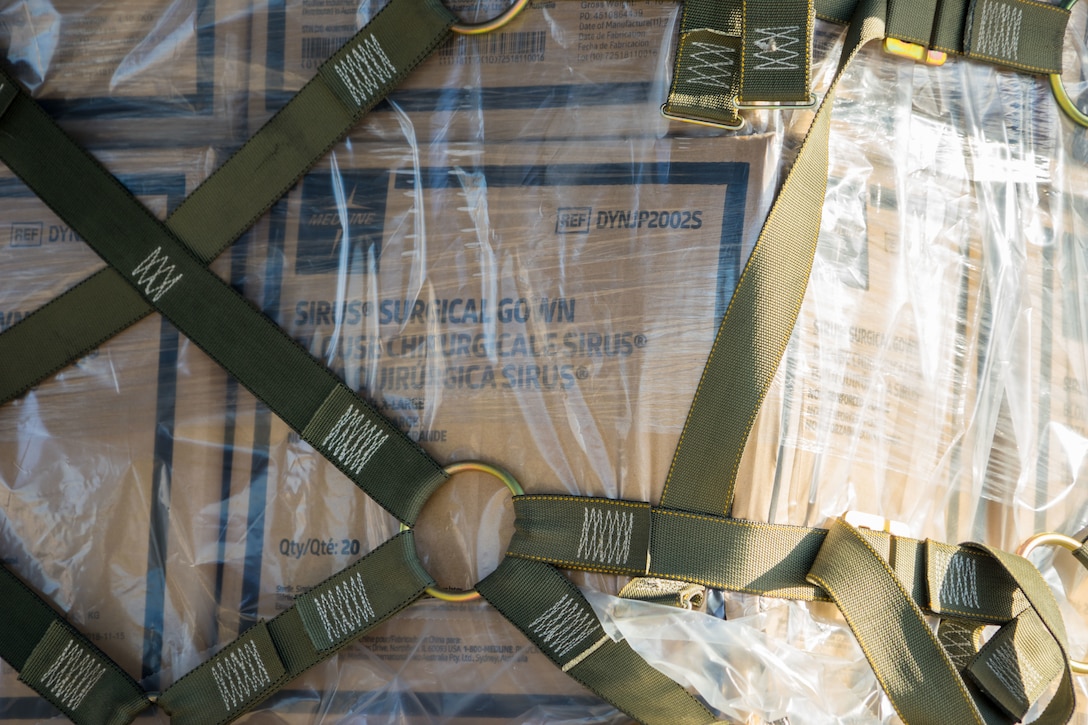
488,25
461,595
1050,538
1058,86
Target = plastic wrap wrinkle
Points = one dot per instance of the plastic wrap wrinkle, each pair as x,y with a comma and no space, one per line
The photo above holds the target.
475,258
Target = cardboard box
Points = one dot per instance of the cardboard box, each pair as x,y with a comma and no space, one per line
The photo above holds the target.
559,70
539,306
134,72
104,466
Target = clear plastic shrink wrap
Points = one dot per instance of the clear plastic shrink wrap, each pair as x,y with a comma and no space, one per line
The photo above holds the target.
518,259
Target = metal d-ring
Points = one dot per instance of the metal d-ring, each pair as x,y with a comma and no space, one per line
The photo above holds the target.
1049,538
1058,86
489,25
461,595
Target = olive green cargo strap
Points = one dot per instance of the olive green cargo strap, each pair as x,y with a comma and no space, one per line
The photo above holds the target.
351,82
321,622
554,615
776,57
735,53
152,260
328,414
1014,669
634,539
882,583
757,324
62,665
1022,34
706,71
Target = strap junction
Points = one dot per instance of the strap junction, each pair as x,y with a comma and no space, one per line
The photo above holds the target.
884,585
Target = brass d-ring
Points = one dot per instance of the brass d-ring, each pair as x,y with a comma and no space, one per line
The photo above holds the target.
1058,86
1049,538
494,24
459,595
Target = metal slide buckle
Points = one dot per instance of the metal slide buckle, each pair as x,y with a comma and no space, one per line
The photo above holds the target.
494,24
700,122
1049,538
862,520
459,595
1058,87
777,105
915,52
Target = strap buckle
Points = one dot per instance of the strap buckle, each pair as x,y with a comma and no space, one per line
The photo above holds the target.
863,520
1051,538
700,122
777,105
917,53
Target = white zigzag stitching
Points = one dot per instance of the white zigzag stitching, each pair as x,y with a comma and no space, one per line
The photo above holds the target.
605,537
345,608
960,582
354,439
999,30
72,675
149,271
1018,676
714,64
563,626
774,47
240,675
364,69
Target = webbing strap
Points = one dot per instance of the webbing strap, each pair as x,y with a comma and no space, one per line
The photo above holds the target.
1015,668
707,68
1022,34
749,52
1018,665
1041,600
777,51
604,535
554,615
328,414
347,85
321,622
309,398
910,664
761,315
912,20
62,665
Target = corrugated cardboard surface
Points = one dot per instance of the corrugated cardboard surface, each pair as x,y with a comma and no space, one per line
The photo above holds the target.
560,70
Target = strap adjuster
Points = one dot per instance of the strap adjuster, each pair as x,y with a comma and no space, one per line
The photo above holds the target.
777,105
863,520
917,53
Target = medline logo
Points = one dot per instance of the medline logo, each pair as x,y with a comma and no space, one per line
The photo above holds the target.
326,226
153,275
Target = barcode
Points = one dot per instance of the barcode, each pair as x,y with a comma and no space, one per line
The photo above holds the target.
321,48
526,47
